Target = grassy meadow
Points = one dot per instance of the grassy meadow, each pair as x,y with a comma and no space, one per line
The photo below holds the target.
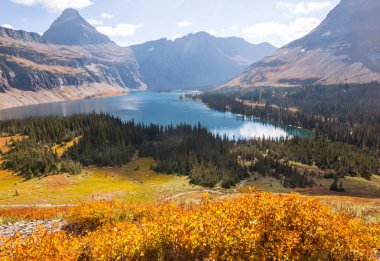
134,182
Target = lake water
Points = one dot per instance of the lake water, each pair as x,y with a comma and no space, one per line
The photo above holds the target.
161,108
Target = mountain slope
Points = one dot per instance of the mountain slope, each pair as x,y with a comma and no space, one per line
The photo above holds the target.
195,60
32,71
344,48
71,29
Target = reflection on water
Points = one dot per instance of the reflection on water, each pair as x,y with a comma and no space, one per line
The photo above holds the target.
253,130
161,108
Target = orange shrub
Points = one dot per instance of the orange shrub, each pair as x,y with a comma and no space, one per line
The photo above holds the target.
41,246
33,213
254,226
89,216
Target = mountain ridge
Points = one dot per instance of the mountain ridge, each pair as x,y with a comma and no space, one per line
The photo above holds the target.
195,60
344,48
21,35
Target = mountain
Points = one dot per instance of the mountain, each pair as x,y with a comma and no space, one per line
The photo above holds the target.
72,60
344,48
33,71
71,29
21,35
196,60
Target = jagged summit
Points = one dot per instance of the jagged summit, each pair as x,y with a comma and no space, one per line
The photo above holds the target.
70,28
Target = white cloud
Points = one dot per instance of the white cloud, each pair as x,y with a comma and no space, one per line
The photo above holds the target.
233,28
184,24
106,16
304,7
278,33
56,5
212,32
122,30
95,22
8,26
176,36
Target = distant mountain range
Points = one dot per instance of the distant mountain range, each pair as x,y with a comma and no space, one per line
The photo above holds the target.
344,48
73,60
196,60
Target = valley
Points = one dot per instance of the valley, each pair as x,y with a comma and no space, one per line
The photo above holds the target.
209,143
139,179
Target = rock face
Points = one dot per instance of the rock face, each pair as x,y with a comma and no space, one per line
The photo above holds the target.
35,65
79,56
71,29
196,60
344,48
21,35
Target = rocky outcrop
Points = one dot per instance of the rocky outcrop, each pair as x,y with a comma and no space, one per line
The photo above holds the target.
21,35
344,48
27,228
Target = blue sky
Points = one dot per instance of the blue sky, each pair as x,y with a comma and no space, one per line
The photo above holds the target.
135,21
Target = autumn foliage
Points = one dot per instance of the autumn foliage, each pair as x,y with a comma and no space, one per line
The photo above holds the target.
34,213
256,226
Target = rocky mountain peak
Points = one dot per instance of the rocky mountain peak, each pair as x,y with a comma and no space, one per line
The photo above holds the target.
70,28
68,14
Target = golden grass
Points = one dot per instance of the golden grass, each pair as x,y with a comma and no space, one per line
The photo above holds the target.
6,141
43,67
311,169
361,198
127,183
60,149
367,209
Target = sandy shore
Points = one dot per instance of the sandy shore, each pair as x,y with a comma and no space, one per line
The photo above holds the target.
15,98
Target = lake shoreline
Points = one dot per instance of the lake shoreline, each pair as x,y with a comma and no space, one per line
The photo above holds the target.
161,109
14,98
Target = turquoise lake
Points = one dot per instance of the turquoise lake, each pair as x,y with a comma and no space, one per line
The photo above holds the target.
161,108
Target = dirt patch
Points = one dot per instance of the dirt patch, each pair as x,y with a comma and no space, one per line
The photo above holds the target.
56,182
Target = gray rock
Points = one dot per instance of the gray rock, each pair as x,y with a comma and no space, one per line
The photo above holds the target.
27,228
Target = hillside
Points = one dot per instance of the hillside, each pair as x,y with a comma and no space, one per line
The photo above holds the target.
344,48
33,71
